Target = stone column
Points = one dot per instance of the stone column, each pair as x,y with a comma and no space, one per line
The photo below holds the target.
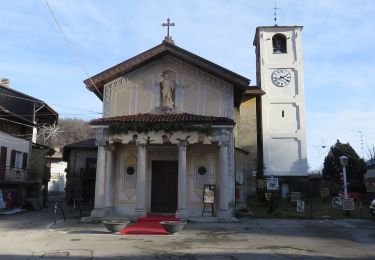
109,175
182,180
224,185
99,182
140,210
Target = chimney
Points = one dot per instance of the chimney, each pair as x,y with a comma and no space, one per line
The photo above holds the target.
4,82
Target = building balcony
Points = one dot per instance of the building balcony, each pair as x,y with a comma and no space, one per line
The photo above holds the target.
17,175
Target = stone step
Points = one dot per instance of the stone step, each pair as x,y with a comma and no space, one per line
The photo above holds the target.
203,219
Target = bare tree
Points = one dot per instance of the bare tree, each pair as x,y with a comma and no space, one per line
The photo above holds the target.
371,154
72,130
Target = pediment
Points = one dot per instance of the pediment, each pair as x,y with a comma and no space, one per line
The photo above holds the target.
239,82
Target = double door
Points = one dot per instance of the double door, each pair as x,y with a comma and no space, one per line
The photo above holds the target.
164,186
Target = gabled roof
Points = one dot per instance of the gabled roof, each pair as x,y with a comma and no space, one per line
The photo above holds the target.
88,143
164,118
85,144
239,82
20,105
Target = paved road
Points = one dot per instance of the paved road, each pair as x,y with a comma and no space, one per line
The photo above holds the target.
29,236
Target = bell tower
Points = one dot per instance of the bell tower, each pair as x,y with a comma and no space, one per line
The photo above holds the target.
280,75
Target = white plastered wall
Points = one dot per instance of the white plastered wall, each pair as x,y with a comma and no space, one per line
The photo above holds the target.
196,91
14,143
283,108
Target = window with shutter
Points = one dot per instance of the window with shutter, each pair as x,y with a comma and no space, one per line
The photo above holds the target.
24,161
3,156
3,160
16,159
13,159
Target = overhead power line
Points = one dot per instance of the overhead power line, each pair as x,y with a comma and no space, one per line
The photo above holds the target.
71,46
76,114
91,111
36,101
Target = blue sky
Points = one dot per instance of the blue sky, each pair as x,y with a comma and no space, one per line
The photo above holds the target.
338,49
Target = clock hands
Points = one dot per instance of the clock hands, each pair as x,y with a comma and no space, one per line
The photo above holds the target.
283,77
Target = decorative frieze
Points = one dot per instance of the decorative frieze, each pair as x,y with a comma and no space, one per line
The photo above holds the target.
160,137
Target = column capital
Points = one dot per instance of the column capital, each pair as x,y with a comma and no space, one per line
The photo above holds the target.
223,143
183,143
100,142
101,135
143,145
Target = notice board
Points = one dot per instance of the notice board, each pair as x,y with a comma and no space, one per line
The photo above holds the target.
209,193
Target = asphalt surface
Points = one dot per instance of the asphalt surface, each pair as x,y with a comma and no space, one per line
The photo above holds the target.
32,235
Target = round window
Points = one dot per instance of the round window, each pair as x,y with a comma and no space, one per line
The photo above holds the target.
202,170
130,170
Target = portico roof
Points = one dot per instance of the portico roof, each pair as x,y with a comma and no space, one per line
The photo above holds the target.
164,117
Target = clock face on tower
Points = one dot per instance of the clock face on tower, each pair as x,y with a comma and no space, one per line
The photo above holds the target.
281,77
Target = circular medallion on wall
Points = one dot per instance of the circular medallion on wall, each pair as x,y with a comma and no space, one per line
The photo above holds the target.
130,170
202,170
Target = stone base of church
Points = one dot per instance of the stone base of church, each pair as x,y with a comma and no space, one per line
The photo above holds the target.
139,213
182,214
225,215
97,213
109,211
91,220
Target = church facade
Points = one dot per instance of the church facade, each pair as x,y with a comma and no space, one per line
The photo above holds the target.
173,122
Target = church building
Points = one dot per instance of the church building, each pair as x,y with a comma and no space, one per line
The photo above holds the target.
174,122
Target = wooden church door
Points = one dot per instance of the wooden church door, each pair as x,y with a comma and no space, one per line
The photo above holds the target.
164,186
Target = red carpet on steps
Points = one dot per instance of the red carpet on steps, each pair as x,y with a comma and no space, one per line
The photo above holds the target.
149,225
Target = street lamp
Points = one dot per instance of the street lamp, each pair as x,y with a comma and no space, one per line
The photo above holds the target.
344,162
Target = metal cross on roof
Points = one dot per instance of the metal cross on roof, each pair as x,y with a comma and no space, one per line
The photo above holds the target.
275,14
168,24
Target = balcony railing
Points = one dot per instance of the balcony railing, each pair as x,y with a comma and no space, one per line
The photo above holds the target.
32,176
17,175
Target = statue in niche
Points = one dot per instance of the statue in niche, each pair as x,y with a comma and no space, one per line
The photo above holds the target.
167,88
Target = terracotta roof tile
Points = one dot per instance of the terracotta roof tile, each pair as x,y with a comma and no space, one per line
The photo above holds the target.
163,117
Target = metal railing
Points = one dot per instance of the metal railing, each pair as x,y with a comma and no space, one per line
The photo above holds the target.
17,175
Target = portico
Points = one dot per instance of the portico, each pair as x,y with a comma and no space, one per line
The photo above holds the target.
136,172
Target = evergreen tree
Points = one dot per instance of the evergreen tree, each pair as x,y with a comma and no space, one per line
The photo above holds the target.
355,169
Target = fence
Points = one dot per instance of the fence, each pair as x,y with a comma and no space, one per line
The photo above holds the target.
306,206
17,175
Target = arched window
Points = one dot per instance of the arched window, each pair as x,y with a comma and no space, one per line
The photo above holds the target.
279,43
